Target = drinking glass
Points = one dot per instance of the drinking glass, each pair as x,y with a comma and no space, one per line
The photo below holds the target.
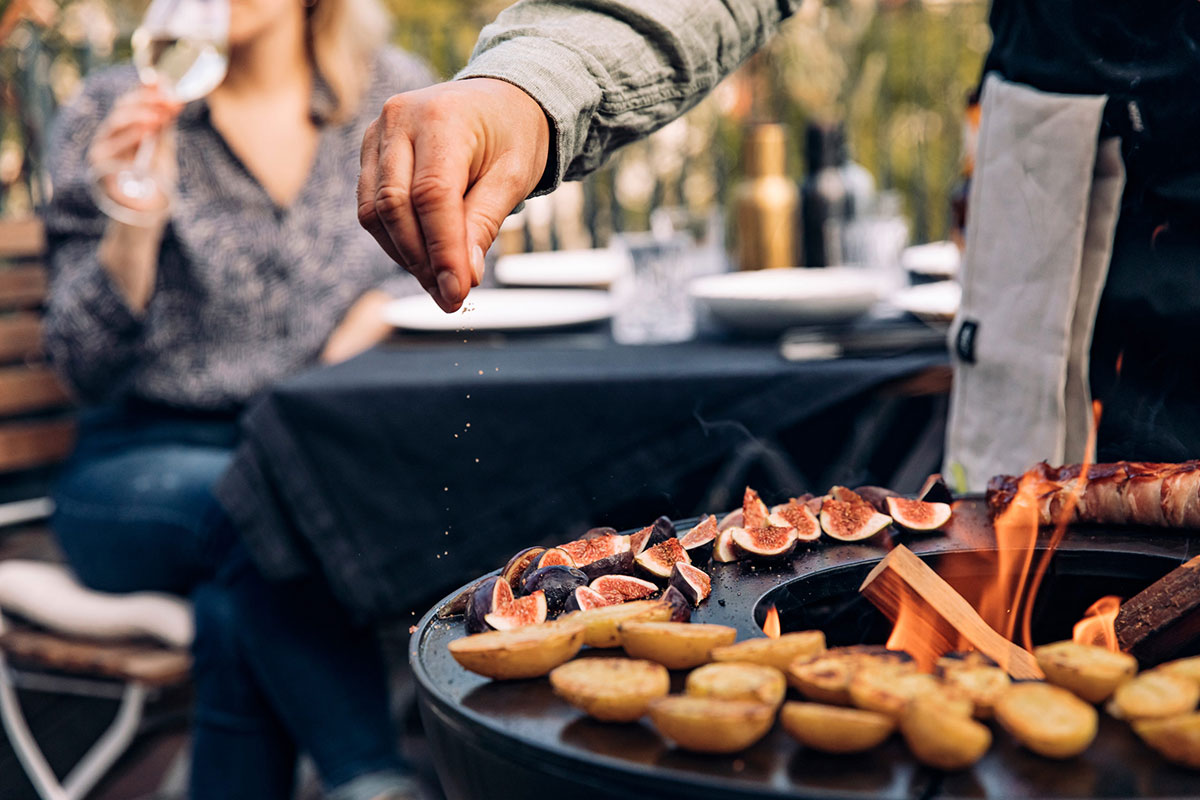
182,48
651,303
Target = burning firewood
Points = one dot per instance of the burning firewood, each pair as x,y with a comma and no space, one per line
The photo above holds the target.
1164,618
941,616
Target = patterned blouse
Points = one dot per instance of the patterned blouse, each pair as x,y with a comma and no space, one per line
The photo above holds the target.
247,291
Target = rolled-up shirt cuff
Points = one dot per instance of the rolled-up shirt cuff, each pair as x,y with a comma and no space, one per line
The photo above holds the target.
559,79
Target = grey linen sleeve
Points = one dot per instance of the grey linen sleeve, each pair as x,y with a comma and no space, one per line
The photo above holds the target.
607,72
90,333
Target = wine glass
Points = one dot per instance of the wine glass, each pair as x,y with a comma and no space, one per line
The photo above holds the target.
182,48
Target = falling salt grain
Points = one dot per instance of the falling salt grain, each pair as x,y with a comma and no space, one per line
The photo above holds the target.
480,372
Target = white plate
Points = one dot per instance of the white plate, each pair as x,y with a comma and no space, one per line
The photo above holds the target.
774,299
580,268
932,302
502,310
936,259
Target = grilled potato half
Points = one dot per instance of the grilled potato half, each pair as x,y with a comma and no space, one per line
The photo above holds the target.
731,680
705,725
888,688
528,652
834,729
1154,694
611,689
1176,739
778,653
1183,667
1047,719
602,623
826,678
675,645
1091,672
982,685
941,735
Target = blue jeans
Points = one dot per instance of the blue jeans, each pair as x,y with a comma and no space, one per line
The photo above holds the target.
278,668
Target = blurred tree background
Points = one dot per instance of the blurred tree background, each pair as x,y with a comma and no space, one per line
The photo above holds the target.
895,72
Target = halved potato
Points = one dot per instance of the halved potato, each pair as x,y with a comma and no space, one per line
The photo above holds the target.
528,652
1182,667
887,688
611,689
826,678
778,653
705,725
982,685
1154,694
731,680
1176,739
675,645
940,736
1048,719
833,729
602,622
1091,672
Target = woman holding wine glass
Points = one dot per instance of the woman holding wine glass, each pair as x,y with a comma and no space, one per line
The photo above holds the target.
203,244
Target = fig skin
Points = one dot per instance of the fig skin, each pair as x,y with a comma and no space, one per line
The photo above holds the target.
491,594
681,607
698,542
694,584
458,604
583,598
514,570
599,533
876,496
662,530
935,490
557,581
616,564
658,560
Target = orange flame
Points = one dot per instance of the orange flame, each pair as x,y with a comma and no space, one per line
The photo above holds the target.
910,634
1098,626
771,623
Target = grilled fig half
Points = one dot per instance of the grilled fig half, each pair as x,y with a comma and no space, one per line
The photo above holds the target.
723,546
916,515
490,594
585,551
554,556
681,608
694,584
514,570
528,610
641,540
754,510
799,517
657,560
850,521
731,520
935,490
698,542
556,581
768,543
616,564
583,598
619,588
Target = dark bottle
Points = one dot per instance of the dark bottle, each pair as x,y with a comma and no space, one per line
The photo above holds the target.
824,201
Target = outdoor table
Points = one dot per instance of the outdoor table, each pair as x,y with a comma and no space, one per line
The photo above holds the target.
411,468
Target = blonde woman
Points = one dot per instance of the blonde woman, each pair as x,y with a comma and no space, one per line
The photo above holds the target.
165,332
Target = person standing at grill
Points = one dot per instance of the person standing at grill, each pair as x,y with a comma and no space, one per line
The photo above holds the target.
167,331
1084,238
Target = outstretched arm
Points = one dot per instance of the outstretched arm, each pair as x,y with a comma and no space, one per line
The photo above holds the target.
554,86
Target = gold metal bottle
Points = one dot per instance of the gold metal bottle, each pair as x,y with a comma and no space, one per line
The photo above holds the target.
765,203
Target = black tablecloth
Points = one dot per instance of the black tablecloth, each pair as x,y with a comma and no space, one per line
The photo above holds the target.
411,467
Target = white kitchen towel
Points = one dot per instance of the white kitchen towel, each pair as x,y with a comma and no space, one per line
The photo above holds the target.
1043,207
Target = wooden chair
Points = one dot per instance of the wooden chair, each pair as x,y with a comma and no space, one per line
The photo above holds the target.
126,647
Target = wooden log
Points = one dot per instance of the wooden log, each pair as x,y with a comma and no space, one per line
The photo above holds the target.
941,616
1164,618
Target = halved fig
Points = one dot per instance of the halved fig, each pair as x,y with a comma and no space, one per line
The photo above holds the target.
754,510
657,560
916,515
554,556
640,540
557,581
619,588
767,543
731,520
876,496
585,551
514,570
698,542
801,518
681,607
935,490
583,598
723,546
849,521
597,533
616,564
694,584
528,610
491,594
845,495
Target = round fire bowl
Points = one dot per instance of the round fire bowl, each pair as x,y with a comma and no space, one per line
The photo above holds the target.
518,741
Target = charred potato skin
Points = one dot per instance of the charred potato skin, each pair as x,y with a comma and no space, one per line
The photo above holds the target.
943,737
1047,719
528,652
1177,739
733,680
675,645
704,725
598,687
778,653
1093,673
834,729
